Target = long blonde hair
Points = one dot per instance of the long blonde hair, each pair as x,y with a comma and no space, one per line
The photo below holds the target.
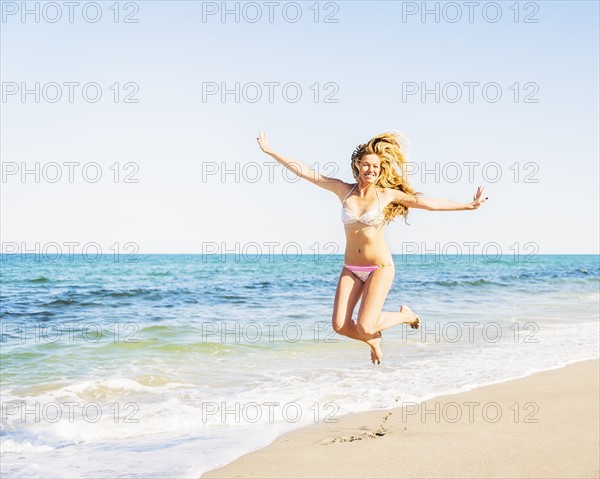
390,147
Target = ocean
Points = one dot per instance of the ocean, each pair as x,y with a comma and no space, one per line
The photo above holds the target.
172,365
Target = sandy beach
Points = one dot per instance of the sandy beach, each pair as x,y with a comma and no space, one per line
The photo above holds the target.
544,425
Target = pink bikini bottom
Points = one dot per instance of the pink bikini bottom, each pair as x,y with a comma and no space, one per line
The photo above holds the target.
363,272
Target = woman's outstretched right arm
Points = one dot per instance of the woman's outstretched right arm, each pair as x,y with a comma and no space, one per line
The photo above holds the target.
332,184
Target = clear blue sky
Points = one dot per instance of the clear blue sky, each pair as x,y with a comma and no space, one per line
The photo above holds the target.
177,132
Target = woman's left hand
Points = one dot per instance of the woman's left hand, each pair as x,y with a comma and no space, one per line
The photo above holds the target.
478,198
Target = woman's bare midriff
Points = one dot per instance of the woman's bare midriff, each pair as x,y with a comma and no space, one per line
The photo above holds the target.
365,245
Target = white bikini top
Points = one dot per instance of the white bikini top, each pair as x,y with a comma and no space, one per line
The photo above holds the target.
370,218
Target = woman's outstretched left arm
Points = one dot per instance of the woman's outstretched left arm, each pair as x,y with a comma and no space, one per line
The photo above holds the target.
438,204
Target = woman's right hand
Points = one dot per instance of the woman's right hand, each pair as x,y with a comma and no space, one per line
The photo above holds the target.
263,142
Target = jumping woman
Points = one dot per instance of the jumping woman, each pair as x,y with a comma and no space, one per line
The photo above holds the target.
381,193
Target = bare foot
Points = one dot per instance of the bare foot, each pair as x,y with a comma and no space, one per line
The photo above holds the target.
413,320
376,354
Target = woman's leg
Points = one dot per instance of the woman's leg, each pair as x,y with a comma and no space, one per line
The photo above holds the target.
371,318
348,293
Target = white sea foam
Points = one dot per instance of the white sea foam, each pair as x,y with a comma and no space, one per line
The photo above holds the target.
176,422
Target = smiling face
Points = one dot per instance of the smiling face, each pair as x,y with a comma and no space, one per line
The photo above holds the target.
369,168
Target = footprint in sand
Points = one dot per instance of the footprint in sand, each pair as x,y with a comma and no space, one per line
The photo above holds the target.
332,440
382,431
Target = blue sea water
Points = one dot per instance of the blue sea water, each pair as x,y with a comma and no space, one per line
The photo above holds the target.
171,365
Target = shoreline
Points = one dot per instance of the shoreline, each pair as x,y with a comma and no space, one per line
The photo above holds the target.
545,424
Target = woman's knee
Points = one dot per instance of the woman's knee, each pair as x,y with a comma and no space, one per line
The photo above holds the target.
338,327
